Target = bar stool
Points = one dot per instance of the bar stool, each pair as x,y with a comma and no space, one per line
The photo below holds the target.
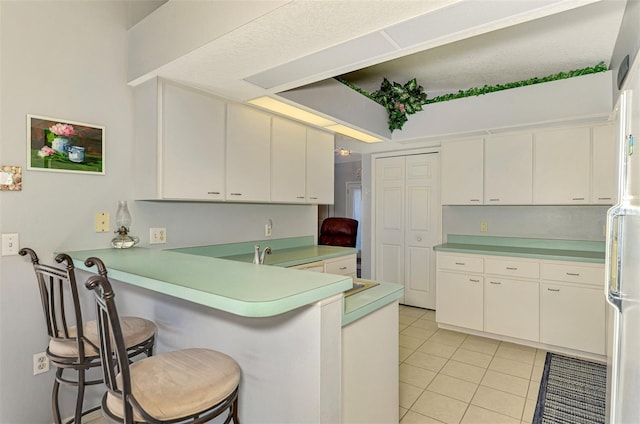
187,386
73,343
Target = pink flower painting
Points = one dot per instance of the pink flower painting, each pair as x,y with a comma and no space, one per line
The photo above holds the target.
64,130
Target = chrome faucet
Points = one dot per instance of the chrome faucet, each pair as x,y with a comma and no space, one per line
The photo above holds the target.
259,258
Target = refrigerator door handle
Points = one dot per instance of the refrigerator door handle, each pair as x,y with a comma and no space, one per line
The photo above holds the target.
613,255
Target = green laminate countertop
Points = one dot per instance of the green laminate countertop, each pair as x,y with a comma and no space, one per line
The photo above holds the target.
283,256
559,250
239,288
363,303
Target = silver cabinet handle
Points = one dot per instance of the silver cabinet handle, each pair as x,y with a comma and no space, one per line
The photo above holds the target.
474,281
460,263
236,194
313,197
553,290
474,200
495,282
213,192
578,198
300,197
494,200
343,267
573,274
604,198
512,268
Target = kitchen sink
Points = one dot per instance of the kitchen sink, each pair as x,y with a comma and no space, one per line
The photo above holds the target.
360,285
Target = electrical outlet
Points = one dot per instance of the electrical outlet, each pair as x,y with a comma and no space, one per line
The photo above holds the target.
267,229
102,222
157,235
10,244
484,226
40,363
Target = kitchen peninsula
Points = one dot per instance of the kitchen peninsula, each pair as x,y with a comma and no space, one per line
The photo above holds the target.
285,327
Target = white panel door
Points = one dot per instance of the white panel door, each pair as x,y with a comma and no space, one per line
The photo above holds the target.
422,230
389,207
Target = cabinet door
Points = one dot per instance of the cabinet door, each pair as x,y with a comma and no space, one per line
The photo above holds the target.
288,161
320,169
573,317
193,165
460,300
248,153
462,164
603,165
508,170
511,308
561,173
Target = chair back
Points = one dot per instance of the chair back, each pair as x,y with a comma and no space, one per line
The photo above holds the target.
113,351
338,232
61,306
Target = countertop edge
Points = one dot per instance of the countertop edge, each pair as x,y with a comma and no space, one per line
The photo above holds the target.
494,251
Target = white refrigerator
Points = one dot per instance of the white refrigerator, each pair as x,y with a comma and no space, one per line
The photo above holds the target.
622,288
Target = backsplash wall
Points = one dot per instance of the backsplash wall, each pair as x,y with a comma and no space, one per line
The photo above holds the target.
551,222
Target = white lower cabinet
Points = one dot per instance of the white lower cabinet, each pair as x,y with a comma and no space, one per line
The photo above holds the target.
511,308
459,300
342,265
573,307
555,303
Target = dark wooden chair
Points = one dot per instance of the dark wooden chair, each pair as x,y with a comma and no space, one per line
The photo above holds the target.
73,343
338,232
186,386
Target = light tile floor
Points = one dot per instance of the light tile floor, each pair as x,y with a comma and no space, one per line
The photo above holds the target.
451,377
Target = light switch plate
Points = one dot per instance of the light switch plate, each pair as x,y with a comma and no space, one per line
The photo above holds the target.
102,222
10,244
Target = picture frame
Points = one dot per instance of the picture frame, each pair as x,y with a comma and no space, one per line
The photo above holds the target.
62,145
10,178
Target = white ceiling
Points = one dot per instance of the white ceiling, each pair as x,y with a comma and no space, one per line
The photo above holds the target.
448,45
573,39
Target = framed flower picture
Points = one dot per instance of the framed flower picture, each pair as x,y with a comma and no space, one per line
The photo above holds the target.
60,145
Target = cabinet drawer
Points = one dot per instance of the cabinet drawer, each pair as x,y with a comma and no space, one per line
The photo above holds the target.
573,273
341,266
461,263
512,268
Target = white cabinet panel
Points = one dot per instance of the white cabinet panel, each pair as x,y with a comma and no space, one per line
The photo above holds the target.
508,170
460,300
320,168
341,266
511,308
248,153
193,145
462,172
288,161
603,164
562,164
512,268
573,317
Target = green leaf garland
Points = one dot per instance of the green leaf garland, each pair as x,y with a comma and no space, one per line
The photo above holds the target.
402,100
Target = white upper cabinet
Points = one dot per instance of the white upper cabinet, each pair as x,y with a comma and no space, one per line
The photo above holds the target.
562,165
193,139
462,172
603,164
248,153
508,169
288,161
320,169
